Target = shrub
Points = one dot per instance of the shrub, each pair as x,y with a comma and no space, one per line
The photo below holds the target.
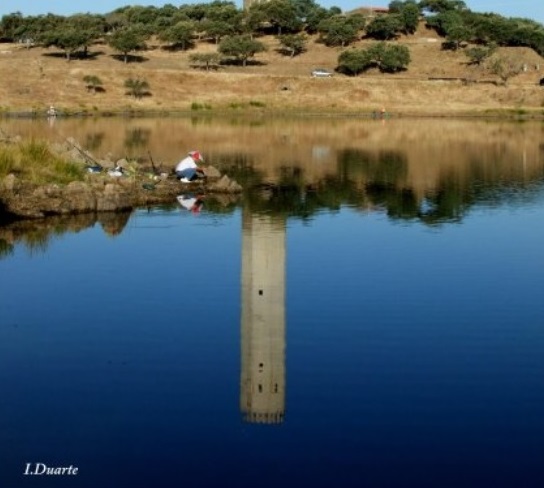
137,87
200,106
93,83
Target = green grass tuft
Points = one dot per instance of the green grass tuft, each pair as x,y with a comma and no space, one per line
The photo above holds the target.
34,162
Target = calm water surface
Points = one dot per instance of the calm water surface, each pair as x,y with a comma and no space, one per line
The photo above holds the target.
378,322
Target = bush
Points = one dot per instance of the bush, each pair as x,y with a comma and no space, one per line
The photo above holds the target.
137,88
200,106
93,83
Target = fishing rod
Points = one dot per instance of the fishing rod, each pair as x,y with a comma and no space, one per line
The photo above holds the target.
96,164
155,170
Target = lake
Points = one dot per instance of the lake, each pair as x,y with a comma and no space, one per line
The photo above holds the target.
368,313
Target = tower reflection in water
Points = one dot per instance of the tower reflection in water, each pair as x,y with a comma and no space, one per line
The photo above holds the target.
262,383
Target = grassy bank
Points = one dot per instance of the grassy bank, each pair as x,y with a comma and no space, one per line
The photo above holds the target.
34,162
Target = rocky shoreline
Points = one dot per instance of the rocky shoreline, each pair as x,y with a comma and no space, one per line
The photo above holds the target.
19,200
100,192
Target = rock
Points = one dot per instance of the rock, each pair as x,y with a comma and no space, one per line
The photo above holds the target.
212,172
106,163
235,187
80,196
10,183
225,185
113,198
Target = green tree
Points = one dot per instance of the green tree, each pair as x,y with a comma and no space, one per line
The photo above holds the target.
505,67
217,29
196,11
116,20
224,12
206,60
457,35
87,22
354,61
142,15
9,25
39,29
390,58
478,54
384,27
69,39
137,87
241,47
340,30
254,18
282,15
94,27
304,8
409,17
127,40
315,17
180,35
293,44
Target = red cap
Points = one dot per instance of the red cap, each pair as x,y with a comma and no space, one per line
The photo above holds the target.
196,155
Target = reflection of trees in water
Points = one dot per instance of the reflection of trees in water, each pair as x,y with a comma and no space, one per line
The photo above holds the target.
37,235
6,248
380,180
240,167
382,168
362,179
137,138
93,141
113,223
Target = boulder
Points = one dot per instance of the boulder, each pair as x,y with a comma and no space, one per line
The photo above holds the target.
80,196
114,197
212,172
10,183
225,185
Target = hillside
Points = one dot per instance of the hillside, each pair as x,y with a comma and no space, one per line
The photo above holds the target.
32,79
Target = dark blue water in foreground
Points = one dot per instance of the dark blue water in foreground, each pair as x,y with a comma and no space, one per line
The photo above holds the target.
378,323
402,354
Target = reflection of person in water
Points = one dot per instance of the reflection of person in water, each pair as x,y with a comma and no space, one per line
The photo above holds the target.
51,115
191,202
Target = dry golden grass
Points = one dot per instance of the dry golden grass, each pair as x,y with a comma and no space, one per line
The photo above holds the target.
33,79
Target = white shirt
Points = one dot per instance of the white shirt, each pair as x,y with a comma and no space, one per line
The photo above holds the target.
186,163
187,202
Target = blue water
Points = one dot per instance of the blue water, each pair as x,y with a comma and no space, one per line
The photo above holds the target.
378,324
413,354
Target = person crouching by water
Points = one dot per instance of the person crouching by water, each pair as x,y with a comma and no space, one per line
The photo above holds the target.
187,169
